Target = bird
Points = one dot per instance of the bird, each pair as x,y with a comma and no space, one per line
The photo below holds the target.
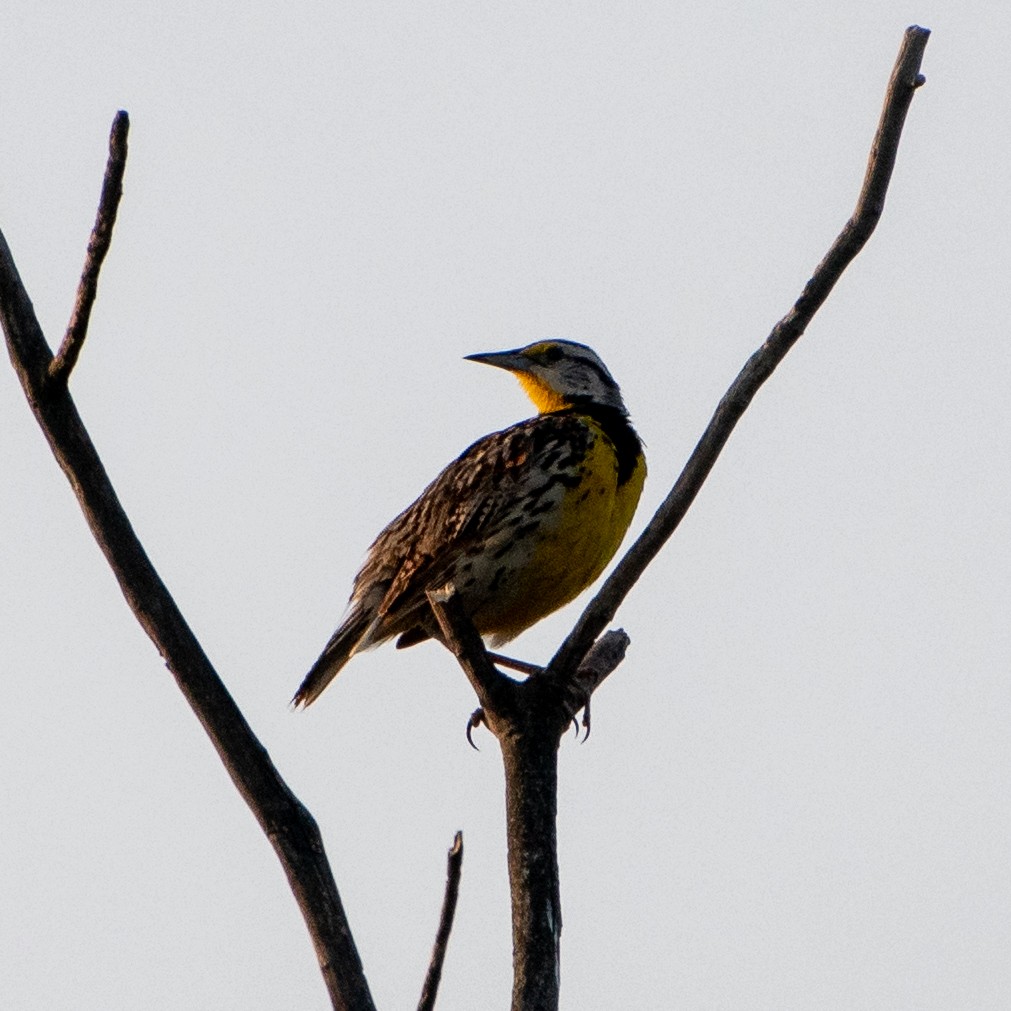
520,523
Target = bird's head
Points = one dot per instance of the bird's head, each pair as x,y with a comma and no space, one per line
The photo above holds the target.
558,374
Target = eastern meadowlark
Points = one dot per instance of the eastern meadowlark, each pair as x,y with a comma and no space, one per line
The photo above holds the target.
521,522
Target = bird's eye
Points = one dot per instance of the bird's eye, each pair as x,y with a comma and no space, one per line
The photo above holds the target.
551,354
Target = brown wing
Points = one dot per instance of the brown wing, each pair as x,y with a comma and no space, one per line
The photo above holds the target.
418,550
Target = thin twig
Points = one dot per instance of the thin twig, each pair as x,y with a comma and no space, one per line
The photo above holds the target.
905,79
98,245
454,868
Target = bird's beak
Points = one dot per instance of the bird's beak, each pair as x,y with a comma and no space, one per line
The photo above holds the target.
512,361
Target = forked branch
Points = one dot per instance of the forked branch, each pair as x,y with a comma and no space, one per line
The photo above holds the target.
527,728
286,823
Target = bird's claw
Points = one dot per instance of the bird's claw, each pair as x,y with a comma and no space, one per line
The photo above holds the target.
477,718
585,721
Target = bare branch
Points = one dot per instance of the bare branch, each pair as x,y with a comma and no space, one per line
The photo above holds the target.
905,79
98,245
289,826
454,868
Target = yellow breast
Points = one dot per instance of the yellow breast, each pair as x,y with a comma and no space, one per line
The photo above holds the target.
572,546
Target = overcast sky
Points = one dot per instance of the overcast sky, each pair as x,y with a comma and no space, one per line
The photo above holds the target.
796,794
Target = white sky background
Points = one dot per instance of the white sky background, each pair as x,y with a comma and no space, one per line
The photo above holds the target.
796,793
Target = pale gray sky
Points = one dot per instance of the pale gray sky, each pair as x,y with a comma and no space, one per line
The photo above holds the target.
796,791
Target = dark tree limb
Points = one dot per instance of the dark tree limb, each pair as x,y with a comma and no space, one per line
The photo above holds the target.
528,717
530,760
454,868
905,79
98,245
291,829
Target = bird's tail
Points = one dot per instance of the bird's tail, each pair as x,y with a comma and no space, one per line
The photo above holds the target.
353,634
